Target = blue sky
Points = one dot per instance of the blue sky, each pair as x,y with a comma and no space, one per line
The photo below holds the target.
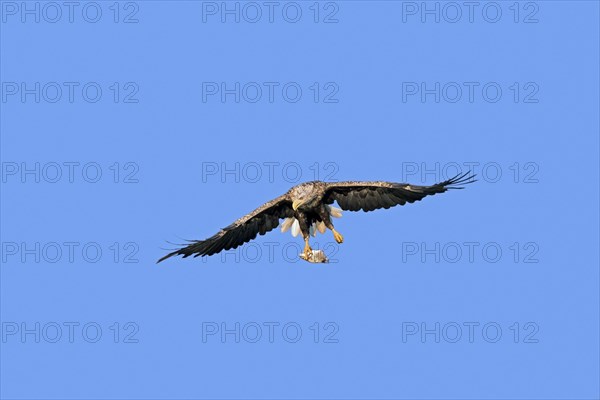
128,125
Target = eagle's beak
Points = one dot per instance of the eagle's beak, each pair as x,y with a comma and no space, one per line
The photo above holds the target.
296,204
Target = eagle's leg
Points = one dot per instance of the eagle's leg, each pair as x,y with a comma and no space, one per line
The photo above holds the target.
336,235
305,229
326,218
307,249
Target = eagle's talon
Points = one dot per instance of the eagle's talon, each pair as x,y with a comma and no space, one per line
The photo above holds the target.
307,249
338,237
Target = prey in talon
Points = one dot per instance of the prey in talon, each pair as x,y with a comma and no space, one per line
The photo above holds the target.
308,209
314,256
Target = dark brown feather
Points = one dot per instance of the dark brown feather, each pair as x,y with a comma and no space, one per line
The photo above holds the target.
369,196
260,221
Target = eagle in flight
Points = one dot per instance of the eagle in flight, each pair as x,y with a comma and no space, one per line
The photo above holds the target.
306,209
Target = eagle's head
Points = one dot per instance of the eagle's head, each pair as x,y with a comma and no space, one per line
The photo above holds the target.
307,195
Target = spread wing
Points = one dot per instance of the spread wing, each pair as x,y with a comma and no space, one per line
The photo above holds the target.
369,196
260,221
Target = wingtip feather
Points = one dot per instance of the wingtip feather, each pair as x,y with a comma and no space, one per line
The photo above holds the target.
458,181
